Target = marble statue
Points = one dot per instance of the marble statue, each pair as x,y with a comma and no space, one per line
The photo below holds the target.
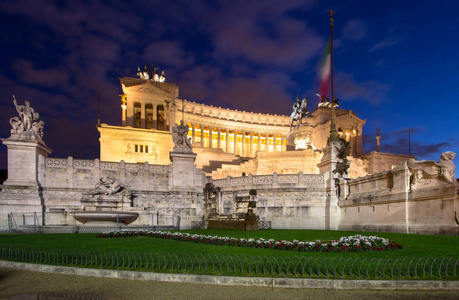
27,120
108,186
300,111
37,128
16,124
143,74
180,137
422,172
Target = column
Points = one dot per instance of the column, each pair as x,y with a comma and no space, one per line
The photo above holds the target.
123,114
243,144
282,143
266,142
259,141
274,142
130,115
235,141
142,115
227,140
155,116
219,138
193,134
123,109
202,135
251,143
210,137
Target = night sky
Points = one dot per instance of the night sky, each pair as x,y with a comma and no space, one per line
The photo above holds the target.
396,63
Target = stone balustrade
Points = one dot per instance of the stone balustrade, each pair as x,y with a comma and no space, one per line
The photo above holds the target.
270,181
103,165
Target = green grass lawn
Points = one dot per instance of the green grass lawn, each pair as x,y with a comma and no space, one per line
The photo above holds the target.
413,245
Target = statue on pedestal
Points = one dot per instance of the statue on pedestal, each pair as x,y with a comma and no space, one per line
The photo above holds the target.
299,111
27,122
180,138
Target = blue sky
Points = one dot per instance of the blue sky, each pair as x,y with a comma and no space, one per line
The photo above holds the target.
395,65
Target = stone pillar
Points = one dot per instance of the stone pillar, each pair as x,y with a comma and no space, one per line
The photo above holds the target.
259,141
155,116
202,135
243,144
25,157
274,142
251,143
219,137
123,109
210,137
377,143
123,114
326,167
266,142
193,134
130,115
142,115
282,143
227,140
235,141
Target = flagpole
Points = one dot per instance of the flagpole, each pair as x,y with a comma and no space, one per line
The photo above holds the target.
333,133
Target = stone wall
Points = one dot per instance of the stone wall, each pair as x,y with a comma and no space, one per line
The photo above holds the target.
64,183
388,201
289,201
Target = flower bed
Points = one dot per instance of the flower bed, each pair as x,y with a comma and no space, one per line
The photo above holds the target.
356,243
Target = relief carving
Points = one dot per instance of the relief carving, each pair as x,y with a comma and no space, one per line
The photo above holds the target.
427,172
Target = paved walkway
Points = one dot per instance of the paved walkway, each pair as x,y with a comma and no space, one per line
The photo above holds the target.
24,284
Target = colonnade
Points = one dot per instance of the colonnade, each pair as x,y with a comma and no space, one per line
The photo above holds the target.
352,136
144,115
239,142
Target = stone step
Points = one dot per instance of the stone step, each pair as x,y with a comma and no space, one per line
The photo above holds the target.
216,164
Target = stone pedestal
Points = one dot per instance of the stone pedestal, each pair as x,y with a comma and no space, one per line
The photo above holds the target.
326,167
26,155
183,170
22,191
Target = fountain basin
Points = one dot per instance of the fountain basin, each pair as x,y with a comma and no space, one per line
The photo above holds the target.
106,216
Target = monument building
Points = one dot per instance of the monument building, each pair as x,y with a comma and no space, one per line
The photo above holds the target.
191,165
227,142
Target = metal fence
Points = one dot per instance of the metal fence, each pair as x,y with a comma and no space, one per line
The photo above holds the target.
242,265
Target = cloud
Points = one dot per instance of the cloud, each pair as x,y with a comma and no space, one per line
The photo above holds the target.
264,33
76,18
390,41
167,53
238,90
348,89
50,77
265,93
354,30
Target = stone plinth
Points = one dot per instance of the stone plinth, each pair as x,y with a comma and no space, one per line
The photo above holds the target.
326,167
300,138
26,155
183,170
251,221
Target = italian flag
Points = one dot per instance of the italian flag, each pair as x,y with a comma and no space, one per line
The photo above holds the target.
325,73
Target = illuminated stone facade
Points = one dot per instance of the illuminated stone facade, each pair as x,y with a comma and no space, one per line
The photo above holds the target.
289,174
219,136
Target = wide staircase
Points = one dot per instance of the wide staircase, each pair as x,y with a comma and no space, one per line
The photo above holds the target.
214,165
